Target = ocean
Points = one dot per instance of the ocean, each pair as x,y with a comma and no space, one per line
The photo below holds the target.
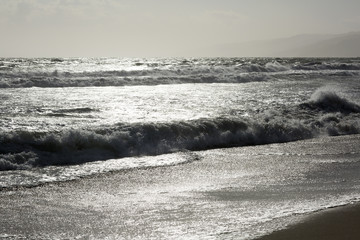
279,130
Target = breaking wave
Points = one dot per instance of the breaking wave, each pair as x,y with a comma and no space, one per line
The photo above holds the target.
324,114
328,100
102,80
18,73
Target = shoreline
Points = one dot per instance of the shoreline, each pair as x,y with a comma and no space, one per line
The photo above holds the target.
337,223
226,194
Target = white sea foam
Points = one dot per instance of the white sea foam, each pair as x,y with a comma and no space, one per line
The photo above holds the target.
73,125
331,115
16,73
76,120
327,98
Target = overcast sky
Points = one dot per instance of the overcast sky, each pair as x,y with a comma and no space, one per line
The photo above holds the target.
145,28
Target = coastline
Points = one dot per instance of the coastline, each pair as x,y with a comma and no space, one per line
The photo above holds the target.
336,223
210,198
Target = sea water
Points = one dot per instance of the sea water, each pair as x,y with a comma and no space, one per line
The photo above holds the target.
63,119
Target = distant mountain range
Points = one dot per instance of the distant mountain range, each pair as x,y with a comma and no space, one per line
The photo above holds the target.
306,45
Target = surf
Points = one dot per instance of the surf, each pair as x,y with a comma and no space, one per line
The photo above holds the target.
325,113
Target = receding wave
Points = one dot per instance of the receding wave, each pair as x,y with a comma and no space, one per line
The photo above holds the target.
23,149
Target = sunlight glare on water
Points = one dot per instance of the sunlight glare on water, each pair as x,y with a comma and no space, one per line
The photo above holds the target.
48,109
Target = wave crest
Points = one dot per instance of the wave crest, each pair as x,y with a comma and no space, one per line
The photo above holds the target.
23,149
15,73
327,99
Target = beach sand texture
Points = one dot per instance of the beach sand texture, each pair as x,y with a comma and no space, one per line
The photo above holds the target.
340,223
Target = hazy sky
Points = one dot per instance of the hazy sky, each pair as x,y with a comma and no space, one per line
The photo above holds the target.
143,28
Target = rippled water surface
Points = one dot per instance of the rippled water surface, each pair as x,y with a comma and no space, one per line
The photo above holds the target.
247,138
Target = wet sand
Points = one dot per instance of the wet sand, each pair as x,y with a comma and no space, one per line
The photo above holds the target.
340,223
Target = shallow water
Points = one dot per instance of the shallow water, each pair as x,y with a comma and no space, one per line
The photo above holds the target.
66,119
233,193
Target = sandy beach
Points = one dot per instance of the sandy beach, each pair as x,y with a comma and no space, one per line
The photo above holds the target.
209,198
338,223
